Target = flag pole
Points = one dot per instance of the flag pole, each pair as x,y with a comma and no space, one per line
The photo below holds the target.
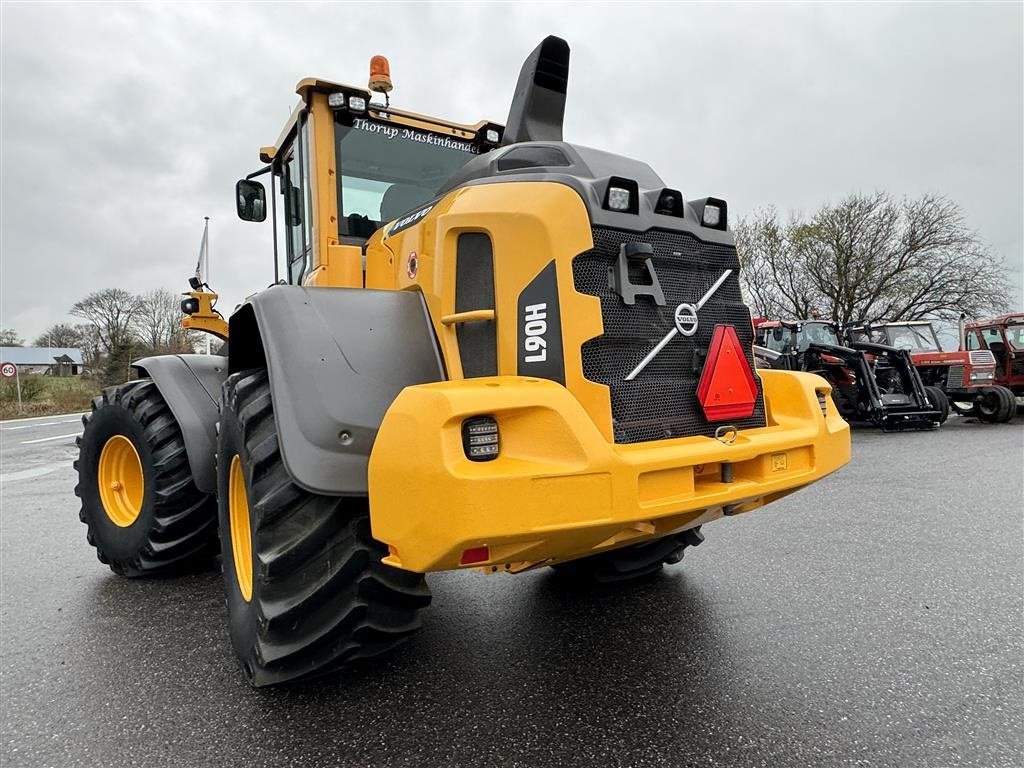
206,242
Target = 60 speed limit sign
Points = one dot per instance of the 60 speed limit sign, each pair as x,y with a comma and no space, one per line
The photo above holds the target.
8,370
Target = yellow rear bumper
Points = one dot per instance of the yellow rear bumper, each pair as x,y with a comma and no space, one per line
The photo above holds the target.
559,490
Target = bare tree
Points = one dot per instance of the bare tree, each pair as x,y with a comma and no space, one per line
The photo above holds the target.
62,335
871,257
10,338
89,343
158,322
768,250
112,312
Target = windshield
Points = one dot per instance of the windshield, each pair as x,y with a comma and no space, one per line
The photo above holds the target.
778,338
818,333
1015,335
386,170
915,337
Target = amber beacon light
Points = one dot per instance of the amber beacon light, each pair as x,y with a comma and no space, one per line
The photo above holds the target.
380,75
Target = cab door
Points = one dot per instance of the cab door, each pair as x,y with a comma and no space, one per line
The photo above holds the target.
294,176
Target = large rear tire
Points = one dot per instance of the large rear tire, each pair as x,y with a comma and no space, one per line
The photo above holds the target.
629,563
143,512
306,589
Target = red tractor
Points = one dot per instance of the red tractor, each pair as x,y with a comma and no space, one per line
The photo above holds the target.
1003,336
967,377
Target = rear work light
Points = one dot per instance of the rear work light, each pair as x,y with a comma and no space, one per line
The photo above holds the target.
622,195
618,199
337,100
714,213
480,438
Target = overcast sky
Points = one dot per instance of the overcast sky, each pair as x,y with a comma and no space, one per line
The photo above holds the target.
124,125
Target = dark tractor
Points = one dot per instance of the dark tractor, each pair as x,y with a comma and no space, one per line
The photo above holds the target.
967,377
871,383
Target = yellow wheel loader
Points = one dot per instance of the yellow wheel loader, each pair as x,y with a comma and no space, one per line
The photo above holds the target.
489,349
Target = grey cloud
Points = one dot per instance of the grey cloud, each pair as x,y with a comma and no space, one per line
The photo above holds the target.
123,125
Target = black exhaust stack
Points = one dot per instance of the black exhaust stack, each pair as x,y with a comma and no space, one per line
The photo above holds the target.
538,106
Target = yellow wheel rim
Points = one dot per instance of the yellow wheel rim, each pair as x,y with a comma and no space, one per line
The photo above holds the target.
121,482
241,536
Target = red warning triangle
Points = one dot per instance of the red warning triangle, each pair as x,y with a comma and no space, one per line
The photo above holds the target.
727,389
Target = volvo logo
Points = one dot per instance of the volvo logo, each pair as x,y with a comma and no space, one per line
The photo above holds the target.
685,324
686,319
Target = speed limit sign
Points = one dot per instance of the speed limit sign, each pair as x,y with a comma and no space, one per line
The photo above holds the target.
8,370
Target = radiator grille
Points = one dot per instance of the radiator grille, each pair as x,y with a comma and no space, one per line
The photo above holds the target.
982,357
955,377
661,402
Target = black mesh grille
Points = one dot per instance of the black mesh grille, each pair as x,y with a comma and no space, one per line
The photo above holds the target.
661,402
955,377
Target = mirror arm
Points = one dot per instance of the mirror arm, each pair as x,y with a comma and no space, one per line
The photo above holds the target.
260,172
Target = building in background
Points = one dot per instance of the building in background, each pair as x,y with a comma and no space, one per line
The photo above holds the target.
50,361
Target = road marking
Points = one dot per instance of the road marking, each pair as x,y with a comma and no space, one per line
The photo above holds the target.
44,424
46,439
37,418
29,474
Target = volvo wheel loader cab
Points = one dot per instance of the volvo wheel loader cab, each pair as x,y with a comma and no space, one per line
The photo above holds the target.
490,349
871,383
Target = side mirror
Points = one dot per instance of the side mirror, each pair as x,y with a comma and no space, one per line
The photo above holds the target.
251,200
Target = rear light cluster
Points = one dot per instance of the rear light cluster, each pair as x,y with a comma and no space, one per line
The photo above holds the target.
480,440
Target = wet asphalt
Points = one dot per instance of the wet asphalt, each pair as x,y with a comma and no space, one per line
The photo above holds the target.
874,619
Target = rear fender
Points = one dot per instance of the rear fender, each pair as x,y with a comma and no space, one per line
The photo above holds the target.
337,358
190,384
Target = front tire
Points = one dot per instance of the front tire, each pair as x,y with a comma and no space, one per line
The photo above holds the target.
939,401
306,589
142,510
997,405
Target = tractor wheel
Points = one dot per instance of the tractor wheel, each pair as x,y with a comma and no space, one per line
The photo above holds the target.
141,507
939,401
632,562
1010,408
996,405
306,589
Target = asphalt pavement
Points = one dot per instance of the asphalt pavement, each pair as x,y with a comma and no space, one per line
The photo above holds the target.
874,619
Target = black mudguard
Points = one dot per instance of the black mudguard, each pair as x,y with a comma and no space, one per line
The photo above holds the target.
191,386
337,358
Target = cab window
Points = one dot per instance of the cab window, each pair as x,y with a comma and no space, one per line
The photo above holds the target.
297,207
972,340
991,336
